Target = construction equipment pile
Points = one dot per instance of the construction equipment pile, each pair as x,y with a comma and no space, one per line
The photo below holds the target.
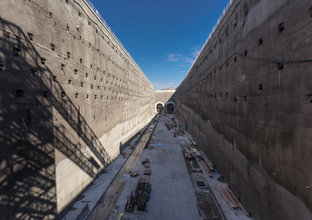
231,200
171,125
198,162
191,153
142,192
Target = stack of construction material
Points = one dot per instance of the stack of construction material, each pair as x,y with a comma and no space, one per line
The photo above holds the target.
209,165
188,154
141,195
193,142
130,202
169,126
191,160
229,197
142,192
146,162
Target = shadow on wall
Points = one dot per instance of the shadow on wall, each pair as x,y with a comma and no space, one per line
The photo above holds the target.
170,107
28,135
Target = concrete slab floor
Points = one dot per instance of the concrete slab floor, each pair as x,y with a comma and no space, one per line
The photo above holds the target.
172,196
175,193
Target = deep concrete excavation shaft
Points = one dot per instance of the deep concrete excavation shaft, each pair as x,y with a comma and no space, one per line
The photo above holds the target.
77,117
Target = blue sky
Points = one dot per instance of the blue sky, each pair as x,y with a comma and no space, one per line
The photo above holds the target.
162,36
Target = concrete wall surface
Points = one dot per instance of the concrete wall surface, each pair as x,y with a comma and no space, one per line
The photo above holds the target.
247,101
70,96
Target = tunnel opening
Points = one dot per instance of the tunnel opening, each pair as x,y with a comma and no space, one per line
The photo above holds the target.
170,108
159,108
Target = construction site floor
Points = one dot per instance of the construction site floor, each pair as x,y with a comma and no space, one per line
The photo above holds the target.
176,192
172,196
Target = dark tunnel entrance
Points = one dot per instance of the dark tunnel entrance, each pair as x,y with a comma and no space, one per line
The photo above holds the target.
170,108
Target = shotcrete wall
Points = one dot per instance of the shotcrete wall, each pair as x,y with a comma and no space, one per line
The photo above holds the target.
70,96
247,101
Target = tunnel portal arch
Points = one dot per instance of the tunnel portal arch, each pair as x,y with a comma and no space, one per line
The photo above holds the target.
170,107
159,107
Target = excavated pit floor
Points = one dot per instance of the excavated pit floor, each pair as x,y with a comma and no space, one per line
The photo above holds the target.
172,196
175,191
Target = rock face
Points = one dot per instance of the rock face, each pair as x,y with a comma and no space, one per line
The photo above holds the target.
247,101
70,96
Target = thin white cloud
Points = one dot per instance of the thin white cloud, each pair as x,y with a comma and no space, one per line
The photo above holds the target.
183,65
165,85
195,53
188,60
173,57
179,58
176,57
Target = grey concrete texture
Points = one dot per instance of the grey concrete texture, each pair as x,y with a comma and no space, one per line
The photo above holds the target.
163,96
70,96
172,196
247,102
